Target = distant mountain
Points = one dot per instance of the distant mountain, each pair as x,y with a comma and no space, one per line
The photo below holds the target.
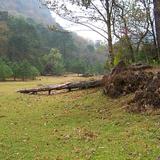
28,8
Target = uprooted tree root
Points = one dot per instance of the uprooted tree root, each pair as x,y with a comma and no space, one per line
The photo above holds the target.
145,85
146,98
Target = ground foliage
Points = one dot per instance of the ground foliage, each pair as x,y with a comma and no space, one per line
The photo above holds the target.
84,125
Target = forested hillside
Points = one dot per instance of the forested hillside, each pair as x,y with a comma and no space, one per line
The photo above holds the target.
24,42
27,8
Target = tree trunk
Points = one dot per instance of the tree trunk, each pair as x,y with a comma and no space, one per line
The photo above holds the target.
130,48
153,31
110,44
69,86
157,22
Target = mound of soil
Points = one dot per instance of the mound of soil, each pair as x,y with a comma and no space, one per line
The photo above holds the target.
124,80
148,97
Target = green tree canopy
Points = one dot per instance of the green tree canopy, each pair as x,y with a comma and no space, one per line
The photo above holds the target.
54,62
5,71
27,71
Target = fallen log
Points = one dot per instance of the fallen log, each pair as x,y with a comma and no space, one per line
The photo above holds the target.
48,88
69,86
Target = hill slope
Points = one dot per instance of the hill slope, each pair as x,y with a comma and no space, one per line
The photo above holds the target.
27,8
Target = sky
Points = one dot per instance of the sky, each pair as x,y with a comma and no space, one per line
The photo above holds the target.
80,30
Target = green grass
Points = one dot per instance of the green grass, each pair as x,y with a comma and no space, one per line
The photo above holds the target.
81,125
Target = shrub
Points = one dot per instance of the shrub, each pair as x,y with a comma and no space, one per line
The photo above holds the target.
27,71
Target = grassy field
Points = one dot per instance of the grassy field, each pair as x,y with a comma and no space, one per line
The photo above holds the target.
80,125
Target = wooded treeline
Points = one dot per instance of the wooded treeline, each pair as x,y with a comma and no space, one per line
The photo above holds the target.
130,28
32,47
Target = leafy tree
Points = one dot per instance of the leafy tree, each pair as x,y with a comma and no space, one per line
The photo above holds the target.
54,63
23,39
15,68
5,71
34,72
79,66
27,71
3,38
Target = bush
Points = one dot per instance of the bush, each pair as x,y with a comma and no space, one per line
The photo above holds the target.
117,58
34,72
27,71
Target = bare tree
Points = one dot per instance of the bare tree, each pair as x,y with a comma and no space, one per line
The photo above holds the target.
94,14
148,4
131,22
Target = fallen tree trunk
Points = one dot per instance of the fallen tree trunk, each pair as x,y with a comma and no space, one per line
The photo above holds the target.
69,86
